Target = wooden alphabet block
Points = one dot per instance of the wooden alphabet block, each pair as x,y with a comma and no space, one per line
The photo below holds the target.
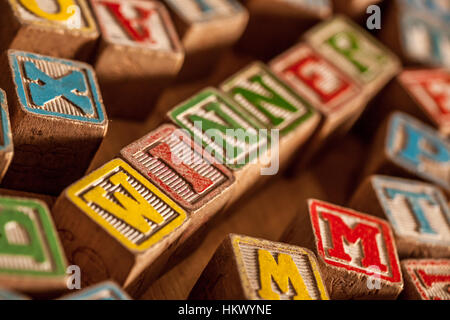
426,279
351,248
417,33
274,106
10,295
255,269
407,147
60,28
139,54
354,51
206,28
103,291
417,211
48,200
31,257
57,117
337,97
226,132
115,224
425,93
276,25
173,162
6,143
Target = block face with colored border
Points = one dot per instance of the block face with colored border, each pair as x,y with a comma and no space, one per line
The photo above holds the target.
430,88
103,291
315,79
276,271
354,242
6,142
427,279
208,116
135,23
267,99
353,50
67,14
29,245
56,87
418,149
178,166
424,39
197,11
123,203
415,210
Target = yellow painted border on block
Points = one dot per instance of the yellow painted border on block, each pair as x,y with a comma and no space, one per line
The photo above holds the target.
95,176
276,246
85,12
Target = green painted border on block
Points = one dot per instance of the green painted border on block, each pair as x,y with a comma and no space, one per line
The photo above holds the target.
56,251
308,114
198,98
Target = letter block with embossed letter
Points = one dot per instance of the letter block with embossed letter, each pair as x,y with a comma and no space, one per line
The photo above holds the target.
226,132
417,31
107,290
418,213
6,143
57,117
274,106
171,160
115,224
31,257
206,29
60,28
409,148
355,52
139,54
351,247
423,93
329,90
426,279
256,269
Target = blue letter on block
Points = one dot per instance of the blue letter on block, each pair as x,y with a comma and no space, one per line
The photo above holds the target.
54,88
413,201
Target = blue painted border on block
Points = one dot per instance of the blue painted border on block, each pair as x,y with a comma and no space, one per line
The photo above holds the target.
236,5
9,295
23,97
437,194
5,123
87,293
395,122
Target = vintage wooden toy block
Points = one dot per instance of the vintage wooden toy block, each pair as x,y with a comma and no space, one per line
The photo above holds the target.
227,133
206,28
417,211
274,105
417,33
355,9
139,54
407,147
255,269
337,97
10,295
104,291
354,51
171,160
60,28
426,279
356,252
31,257
424,93
57,117
116,225
276,25
439,9
6,143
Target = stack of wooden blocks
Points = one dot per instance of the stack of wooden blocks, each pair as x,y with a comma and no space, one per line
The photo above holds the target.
144,212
